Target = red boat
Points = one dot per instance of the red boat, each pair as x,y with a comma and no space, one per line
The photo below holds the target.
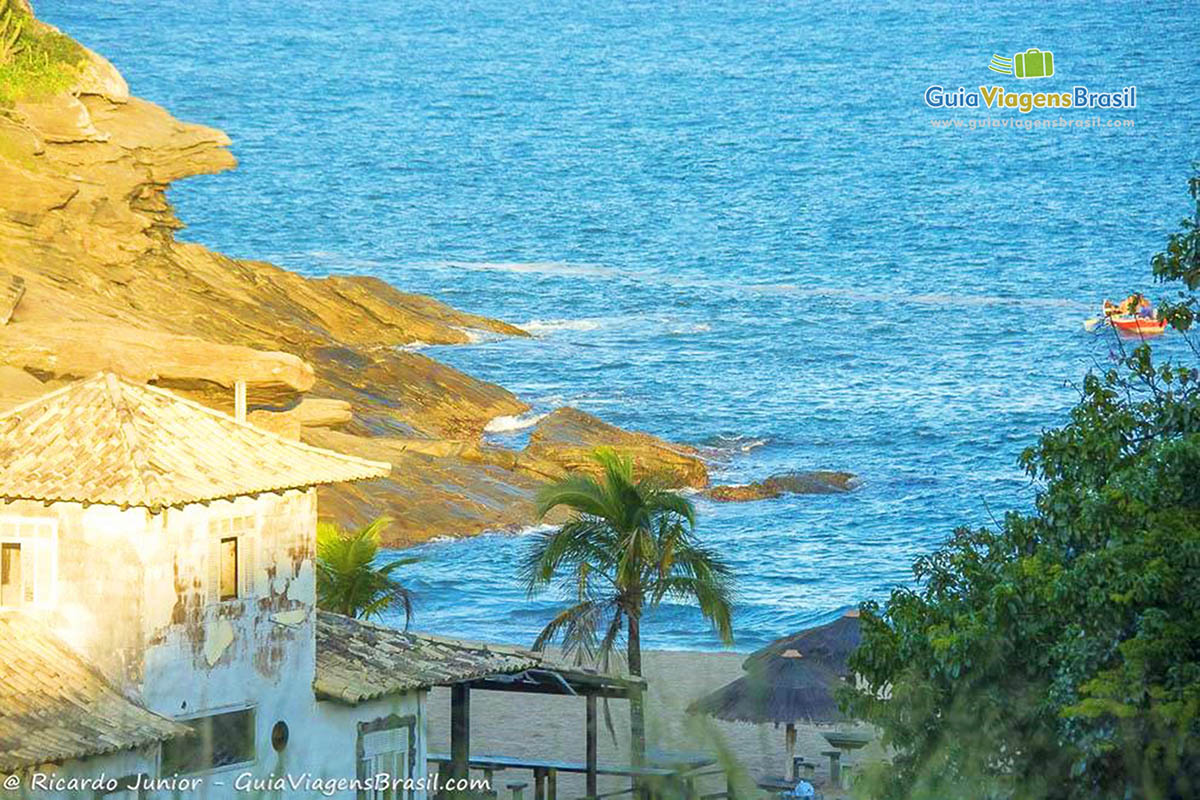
1138,326
1134,316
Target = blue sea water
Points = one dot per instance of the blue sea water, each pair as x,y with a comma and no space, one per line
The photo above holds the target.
726,223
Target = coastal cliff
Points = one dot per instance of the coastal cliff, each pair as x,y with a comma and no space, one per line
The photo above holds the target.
92,277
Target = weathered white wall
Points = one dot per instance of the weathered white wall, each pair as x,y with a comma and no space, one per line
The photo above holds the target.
133,597
57,776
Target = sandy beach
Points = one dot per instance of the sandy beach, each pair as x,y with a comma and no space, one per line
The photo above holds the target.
534,726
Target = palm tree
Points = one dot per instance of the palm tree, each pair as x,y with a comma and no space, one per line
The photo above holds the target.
348,582
628,545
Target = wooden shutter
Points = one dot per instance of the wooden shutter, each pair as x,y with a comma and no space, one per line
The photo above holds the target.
214,569
247,547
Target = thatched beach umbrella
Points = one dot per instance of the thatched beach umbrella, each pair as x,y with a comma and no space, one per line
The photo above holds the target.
792,680
830,644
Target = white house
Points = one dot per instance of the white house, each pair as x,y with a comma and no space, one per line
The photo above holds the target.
158,625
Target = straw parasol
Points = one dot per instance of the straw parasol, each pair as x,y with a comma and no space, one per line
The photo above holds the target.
791,680
830,644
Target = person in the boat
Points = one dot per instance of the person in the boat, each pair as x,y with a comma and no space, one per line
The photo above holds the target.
1134,305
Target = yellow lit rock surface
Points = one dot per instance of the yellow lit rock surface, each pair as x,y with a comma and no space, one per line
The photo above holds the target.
86,225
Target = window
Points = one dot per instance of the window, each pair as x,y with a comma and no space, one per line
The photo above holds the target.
229,568
231,549
386,751
28,561
12,589
221,740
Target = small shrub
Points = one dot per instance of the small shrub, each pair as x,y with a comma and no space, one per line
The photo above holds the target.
35,61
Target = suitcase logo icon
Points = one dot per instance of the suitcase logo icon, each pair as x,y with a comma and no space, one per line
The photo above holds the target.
1033,63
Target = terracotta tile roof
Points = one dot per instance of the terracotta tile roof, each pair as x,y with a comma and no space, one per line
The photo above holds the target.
54,706
359,661
110,441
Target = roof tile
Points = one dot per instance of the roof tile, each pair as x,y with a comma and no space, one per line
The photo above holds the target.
54,706
109,440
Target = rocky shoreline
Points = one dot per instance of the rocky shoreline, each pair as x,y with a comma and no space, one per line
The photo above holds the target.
93,278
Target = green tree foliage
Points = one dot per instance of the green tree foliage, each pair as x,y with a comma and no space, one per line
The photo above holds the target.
628,545
35,60
1057,654
349,582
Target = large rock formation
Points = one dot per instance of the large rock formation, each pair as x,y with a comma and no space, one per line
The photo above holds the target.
568,438
91,277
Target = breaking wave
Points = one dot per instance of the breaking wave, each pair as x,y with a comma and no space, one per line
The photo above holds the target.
536,326
509,423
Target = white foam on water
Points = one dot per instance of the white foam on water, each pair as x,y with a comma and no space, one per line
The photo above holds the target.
536,326
735,444
683,330
510,423
536,267
477,336
529,530
935,299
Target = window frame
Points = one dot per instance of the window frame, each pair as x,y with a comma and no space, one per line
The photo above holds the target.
37,542
243,527
391,722
6,562
192,742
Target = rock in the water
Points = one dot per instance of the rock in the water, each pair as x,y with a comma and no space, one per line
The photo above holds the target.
812,482
569,437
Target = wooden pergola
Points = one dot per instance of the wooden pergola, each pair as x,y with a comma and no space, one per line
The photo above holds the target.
546,678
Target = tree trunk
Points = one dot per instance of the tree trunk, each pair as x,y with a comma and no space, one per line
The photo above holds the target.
637,712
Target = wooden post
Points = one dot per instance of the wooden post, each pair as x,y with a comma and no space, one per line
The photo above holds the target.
790,740
460,730
592,742
239,400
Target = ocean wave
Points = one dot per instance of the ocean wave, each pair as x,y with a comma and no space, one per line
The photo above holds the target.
734,443
685,330
529,530
510,423
534,267
536,326
478,336
413,347
939,299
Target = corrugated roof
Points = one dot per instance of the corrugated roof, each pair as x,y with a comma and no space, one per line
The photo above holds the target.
111,441
55,706
359,661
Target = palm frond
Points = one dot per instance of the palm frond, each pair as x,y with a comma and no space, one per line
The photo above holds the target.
580,493
584,539
348,580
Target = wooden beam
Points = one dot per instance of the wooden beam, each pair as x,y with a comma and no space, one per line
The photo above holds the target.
592,743
460,730
489,685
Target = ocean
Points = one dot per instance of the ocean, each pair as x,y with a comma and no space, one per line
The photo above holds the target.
726,223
